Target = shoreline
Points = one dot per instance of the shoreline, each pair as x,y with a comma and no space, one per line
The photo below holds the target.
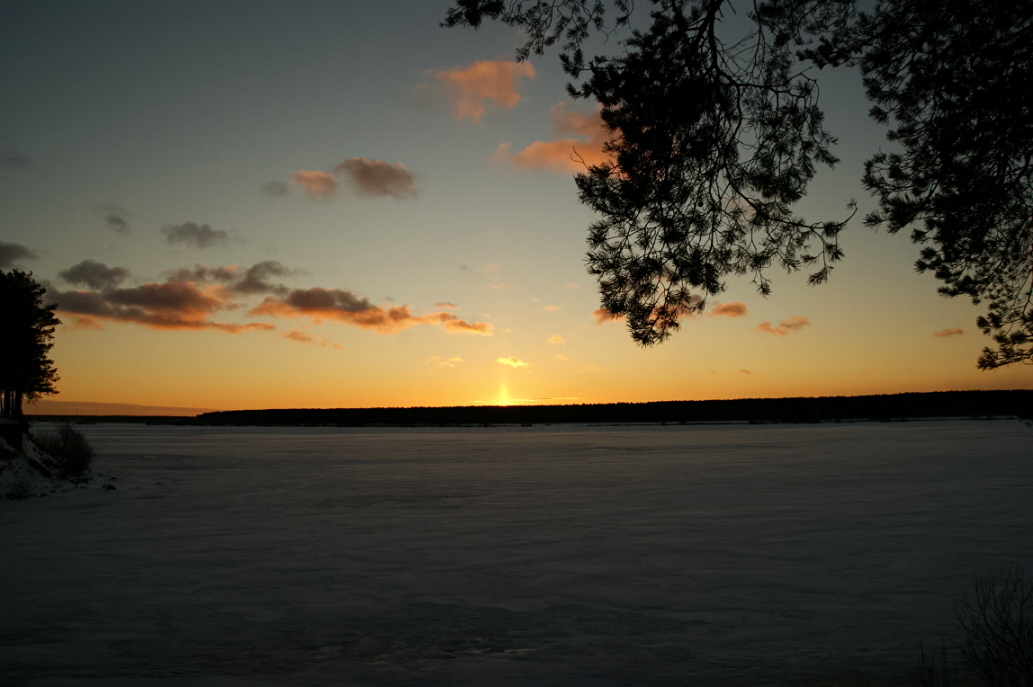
941,405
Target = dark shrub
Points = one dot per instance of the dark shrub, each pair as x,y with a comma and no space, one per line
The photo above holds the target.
931,667
997,617
69,448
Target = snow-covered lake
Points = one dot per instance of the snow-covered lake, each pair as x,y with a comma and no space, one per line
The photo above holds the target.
706,555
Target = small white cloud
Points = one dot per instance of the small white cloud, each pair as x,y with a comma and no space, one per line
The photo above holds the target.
512,362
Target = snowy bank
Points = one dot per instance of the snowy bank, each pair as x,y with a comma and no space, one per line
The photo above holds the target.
25,469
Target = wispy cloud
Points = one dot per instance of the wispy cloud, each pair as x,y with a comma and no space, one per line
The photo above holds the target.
553,308
169,305
115,217
376,178
555,339
196,235
516,363
457,326
735,309
12,253
365,177
191,296
259,278
318,185
302,337
488,83
579,143
950,331
339,305
95,275
602,316
299,336
786,326
186,300
201,273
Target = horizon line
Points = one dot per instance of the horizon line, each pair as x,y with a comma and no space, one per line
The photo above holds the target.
186,412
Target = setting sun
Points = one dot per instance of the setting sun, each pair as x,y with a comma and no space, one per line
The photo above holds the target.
503,399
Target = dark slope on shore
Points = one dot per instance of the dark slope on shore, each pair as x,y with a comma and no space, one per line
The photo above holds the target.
1015,403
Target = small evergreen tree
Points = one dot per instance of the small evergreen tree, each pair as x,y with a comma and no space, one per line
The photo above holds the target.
26,336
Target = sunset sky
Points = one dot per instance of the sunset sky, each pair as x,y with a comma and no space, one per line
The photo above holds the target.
256,204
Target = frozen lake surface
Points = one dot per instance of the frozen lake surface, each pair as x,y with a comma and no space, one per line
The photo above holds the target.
706,555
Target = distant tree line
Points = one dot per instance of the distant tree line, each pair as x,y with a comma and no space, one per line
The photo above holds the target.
1018,403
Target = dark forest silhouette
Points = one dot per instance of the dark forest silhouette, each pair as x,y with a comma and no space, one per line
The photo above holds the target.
891,407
